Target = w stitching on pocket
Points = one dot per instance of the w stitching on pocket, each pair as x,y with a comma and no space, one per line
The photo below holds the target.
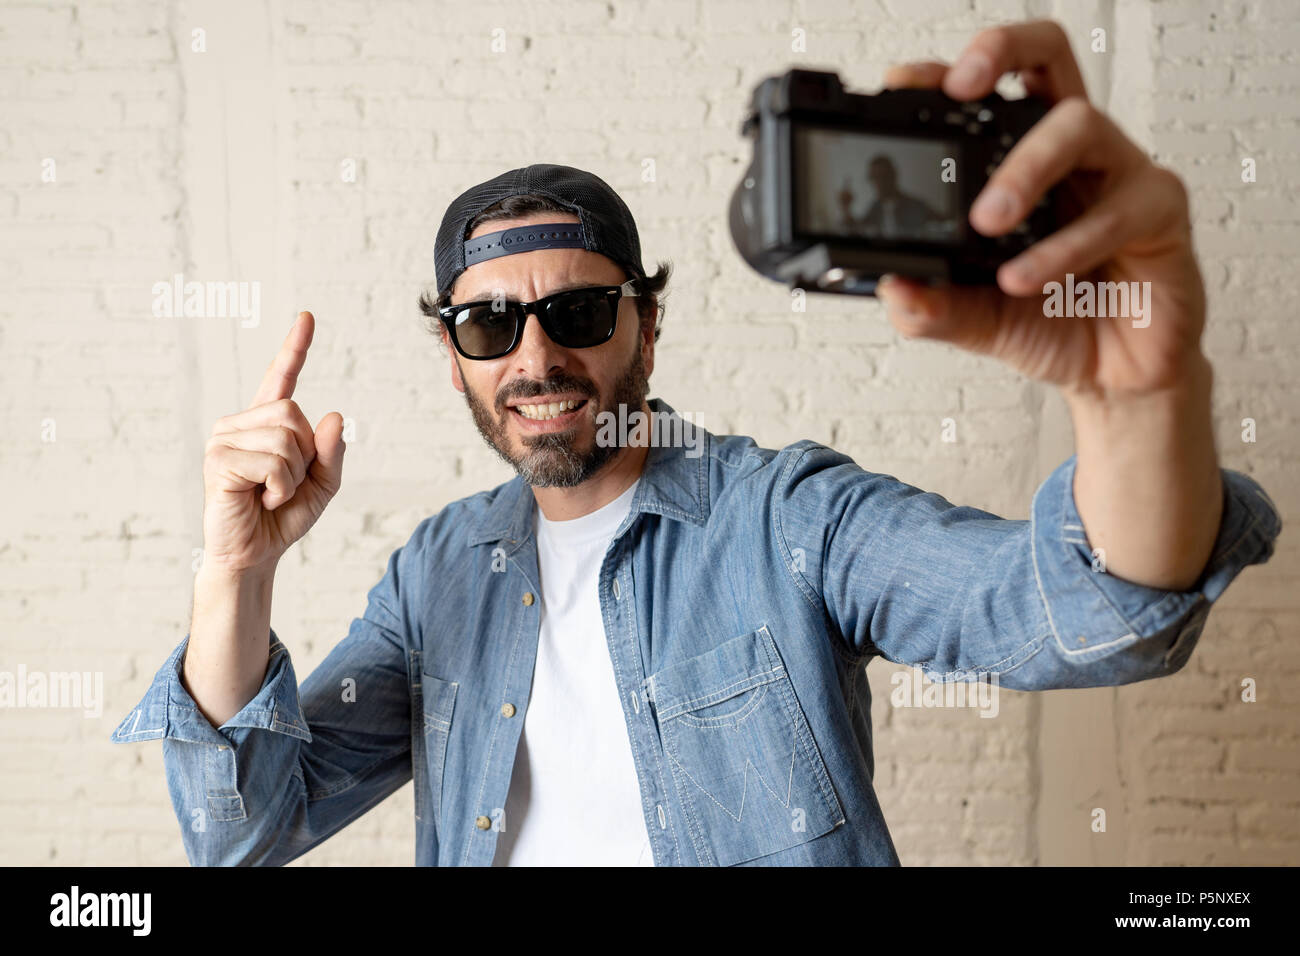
763,729
744,789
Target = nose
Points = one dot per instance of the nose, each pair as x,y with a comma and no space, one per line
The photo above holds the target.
537,355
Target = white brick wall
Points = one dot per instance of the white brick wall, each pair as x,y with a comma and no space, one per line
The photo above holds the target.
225,165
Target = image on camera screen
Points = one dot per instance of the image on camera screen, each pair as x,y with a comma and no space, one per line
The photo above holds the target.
869,186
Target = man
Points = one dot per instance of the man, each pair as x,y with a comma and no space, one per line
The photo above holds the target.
893,214
633,654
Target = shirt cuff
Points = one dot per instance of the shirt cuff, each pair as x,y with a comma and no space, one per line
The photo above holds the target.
1092,612
167,709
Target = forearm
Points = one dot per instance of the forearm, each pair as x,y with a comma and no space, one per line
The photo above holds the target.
1147,482
230,641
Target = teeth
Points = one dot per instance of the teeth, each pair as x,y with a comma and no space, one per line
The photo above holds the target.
541,413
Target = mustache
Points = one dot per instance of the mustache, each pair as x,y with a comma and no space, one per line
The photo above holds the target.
558,387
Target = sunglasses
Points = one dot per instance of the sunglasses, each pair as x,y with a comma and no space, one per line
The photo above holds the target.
574,319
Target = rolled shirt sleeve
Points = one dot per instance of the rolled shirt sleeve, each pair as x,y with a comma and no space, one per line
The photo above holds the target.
167,709
224,820
297,763
1093,613
961,593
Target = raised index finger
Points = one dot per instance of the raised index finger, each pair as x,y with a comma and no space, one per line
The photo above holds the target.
282,375
1039,50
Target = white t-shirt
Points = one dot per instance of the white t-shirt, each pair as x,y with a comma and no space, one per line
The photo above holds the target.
889,217
574,798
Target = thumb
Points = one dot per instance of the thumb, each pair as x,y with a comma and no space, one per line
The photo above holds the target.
327,467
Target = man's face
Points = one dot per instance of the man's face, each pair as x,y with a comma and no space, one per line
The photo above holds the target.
561,451
882,176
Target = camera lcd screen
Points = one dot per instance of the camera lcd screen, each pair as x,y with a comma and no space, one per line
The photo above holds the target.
869,186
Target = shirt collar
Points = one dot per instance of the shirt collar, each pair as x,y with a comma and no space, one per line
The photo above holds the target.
673,484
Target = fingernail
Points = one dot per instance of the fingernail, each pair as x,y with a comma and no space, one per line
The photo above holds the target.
973,69
885,280
994,205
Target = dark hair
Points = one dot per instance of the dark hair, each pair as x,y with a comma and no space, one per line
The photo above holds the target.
649,303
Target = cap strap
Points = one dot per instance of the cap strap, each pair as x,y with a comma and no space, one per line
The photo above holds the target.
546,235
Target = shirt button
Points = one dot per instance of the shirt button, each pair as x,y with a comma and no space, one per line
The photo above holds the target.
528,598
507,710
617,592
482,823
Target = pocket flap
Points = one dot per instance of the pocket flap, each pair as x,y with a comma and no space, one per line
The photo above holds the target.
729,669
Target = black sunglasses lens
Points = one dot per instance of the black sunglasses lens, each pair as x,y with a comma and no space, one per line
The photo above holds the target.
482,331
575,320
582,319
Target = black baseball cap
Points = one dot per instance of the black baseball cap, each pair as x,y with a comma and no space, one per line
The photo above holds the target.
605,223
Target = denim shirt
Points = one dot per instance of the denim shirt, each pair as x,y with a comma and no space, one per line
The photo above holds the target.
741,596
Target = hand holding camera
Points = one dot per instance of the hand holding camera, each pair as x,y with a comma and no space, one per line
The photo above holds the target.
982,203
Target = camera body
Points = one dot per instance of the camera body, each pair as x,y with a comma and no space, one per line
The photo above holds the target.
845,187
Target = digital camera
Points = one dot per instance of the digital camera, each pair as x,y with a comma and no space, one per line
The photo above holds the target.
845,187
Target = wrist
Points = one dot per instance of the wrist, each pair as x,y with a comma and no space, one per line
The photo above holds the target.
1147,484
1188,384
213,577
1168,429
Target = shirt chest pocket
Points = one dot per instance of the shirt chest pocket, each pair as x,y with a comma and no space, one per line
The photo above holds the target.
748,772
437,701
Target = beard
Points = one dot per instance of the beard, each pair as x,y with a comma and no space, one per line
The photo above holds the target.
555,460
